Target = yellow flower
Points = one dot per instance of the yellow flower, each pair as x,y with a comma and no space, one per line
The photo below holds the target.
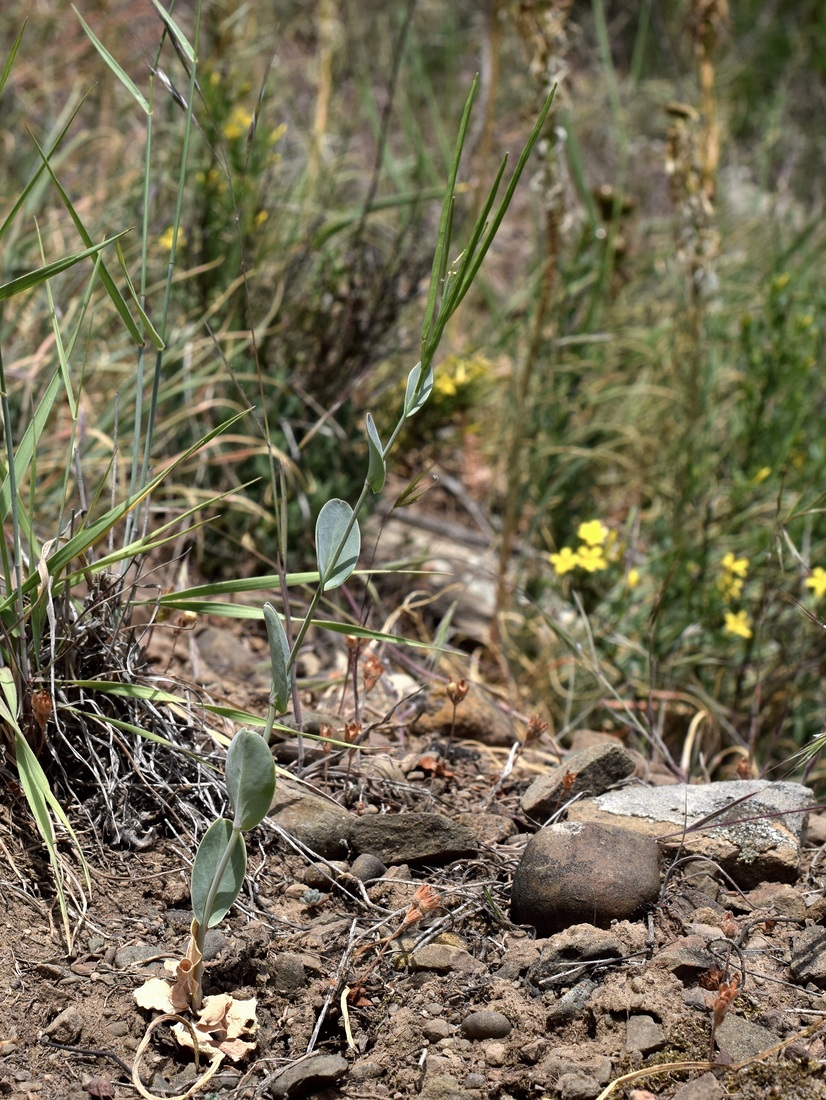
737,622
261,217
780,282
165,239
817,582
738,567
761,475
591,558
564,561
238,124
633,578
277,134
731,587
593,533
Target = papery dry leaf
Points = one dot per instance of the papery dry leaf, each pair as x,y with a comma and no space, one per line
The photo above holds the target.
155,994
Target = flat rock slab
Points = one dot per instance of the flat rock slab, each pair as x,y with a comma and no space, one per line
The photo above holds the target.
575,872
323,826
589,772
752,829
412,838
306,1077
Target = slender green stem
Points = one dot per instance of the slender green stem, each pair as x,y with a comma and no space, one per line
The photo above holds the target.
198,972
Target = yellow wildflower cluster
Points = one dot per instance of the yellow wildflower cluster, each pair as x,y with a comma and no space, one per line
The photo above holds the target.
237,124
594,553
457,374
737,622
817,582
734,572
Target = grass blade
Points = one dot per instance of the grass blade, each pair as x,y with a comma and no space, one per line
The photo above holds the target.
130,86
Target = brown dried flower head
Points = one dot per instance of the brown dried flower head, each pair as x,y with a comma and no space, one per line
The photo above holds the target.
457,690
535,728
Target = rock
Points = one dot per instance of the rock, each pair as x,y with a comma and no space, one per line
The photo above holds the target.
809,955
575,872
322,826
477,718
434,1030
779,898
488,828
706,1087
366,1071
578,1086
367,867
412,838
323,876
445,959
441,1086
595,769
559,956
307,1076
496,1054
136,953
755,840
486,1024
685,957
288,972
567,1059
742,1039
66,1026
572,1003
644,1034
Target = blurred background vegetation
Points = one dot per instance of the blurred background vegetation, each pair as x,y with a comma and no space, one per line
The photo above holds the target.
645,347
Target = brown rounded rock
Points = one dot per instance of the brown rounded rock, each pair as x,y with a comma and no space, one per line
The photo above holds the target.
576,872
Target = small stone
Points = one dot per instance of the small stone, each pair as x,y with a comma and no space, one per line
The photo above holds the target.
474,1081
809,955
488,828
412,838
644,1034
307,1076
437,1029
594,770
322,826
322,876
706,1087
136,953
66,1026
574,872
578,1086
446,959
366,1071
486,1024
367,867
559,954
443,1086
572,1003
288,973
743,1039
495,1054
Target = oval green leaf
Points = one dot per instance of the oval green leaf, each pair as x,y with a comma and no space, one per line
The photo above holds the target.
279,659
377,467
418,389
208,859
250,778
336,561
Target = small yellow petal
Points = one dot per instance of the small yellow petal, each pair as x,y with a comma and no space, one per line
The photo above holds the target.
817,582
593,533
737,622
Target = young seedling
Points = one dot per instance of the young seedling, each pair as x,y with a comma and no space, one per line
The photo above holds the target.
221,860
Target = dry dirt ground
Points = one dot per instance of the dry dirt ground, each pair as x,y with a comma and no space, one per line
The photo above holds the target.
580,1009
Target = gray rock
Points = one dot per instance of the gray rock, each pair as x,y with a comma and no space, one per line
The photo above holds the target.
706,1087
366,1071
441,1086
754,840
488,828
323,876
307,1076
367,867
578,1086
596,770
644,1034
323,826
437,1029
742,1039
809,955
573,872
572,1003
486,1024
411,838
446,959
288,972
66,1027
136,953
566,955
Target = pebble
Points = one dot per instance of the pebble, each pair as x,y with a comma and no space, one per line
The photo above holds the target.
322,876
308,1076
288,972
706,1087
437,1029
574,872
367,867
412,838
808,962
644,1034
486,1024
595,770
322,826
495,1054
578,1086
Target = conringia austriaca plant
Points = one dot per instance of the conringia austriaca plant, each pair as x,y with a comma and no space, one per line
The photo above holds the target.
220,864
